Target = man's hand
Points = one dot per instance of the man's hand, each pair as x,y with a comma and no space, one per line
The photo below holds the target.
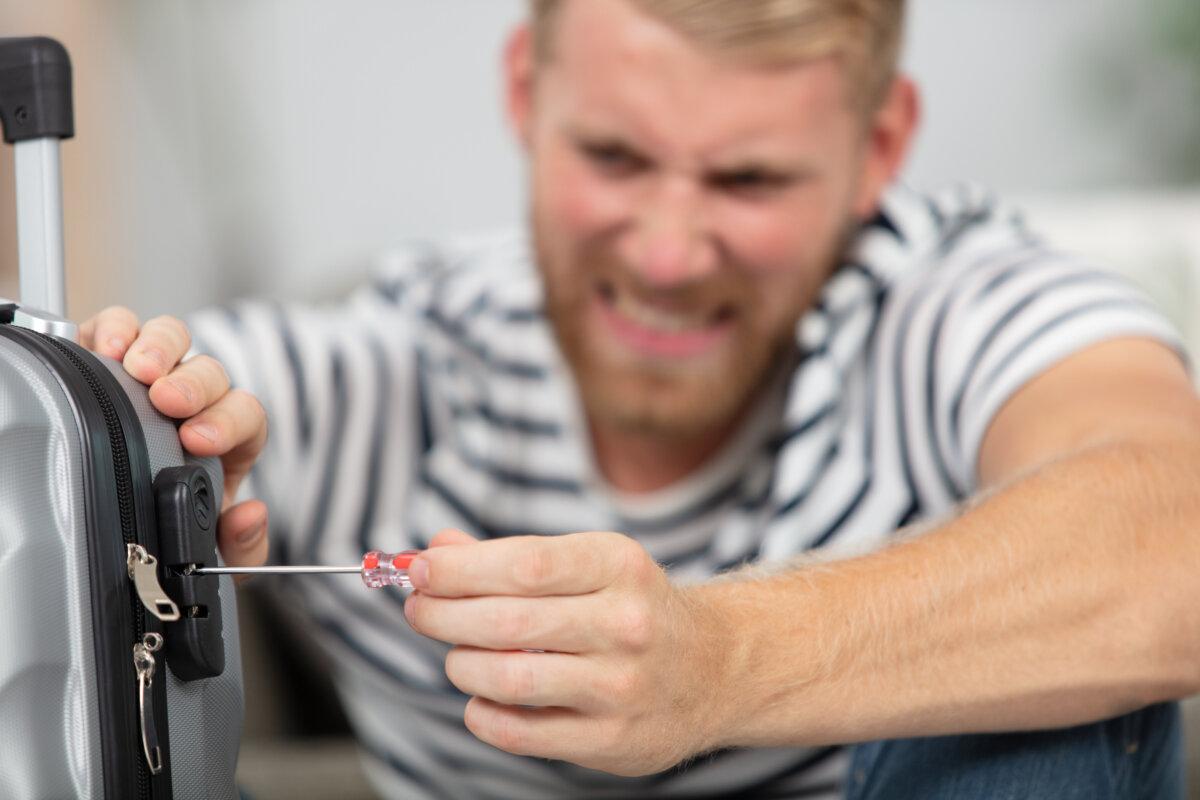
220,422
625,670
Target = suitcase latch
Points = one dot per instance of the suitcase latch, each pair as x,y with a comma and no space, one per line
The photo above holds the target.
187,526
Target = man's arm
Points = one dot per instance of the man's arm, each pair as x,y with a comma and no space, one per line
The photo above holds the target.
1067,594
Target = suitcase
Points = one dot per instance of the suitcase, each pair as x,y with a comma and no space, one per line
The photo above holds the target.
120,674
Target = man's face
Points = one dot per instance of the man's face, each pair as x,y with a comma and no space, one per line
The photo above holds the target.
685,211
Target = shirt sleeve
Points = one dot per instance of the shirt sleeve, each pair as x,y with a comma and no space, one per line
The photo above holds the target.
337,383
992,308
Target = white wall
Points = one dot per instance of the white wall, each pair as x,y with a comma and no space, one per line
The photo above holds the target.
1051,95
290,139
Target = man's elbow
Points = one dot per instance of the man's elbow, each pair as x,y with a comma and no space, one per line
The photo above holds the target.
1172,648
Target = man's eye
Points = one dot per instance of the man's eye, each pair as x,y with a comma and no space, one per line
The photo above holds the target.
613,158
749,181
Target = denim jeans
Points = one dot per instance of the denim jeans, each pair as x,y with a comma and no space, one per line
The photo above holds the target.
1135,757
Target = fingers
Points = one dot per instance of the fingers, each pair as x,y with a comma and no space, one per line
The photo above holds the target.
529,566
571,624
235,428
162,343
242,534
222,423
544,732
110,332
190,388
529,679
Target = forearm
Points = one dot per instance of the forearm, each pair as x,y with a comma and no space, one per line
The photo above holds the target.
1068,596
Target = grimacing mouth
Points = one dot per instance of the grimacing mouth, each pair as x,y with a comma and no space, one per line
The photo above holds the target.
666,317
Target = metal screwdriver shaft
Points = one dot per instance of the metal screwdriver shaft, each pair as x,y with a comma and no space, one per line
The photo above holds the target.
306,570
377,569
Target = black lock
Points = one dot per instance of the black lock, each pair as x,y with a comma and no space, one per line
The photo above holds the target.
187,528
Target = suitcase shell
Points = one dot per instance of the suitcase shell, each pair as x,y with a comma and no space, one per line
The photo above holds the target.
86,469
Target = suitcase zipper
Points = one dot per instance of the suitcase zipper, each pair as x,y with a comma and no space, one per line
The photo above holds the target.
142,568
143,664
143,571
125,500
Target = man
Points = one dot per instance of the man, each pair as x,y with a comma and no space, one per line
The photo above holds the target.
731,338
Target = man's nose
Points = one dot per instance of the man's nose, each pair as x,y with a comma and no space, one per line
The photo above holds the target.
670,243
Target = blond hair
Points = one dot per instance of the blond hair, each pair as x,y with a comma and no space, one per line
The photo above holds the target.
864,34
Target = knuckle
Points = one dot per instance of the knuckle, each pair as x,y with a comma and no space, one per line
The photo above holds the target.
507,734
246,401
173,328
517,681
531,572
260,550
247,408
475,718
637,565
258,409
633,626
456,671
117,315
212,370
514,625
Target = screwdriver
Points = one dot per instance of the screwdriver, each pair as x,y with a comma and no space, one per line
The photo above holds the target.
378,569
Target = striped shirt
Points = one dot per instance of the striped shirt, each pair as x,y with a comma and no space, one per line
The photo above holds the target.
437,397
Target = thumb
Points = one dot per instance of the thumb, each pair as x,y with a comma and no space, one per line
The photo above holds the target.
242,534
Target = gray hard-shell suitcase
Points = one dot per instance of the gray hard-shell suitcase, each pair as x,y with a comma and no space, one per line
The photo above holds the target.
120,675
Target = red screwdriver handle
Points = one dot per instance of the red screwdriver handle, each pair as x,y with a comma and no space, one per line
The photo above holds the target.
381,569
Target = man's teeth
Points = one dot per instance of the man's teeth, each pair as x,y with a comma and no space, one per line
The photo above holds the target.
657,319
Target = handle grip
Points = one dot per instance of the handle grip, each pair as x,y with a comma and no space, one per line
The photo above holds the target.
35,89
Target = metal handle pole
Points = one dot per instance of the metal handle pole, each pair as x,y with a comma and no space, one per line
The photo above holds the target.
40,225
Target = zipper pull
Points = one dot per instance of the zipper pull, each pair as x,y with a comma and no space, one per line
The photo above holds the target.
143,572
144,663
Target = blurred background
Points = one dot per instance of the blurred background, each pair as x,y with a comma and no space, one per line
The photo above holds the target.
228,147
270,147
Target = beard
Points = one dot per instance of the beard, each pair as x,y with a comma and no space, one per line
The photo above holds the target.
671,398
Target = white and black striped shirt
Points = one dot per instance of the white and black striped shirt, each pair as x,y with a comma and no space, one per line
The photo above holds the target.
437,398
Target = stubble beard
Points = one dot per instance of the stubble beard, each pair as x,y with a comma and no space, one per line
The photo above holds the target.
664,399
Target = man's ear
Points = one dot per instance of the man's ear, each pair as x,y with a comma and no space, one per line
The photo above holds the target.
891,132
518,82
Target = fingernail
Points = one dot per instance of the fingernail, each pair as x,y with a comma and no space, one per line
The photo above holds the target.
182,388
204,430
116,344
410,611
418,573
250,536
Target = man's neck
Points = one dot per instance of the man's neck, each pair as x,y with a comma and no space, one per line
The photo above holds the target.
639,462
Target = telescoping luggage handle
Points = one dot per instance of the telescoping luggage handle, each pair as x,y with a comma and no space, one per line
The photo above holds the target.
36,113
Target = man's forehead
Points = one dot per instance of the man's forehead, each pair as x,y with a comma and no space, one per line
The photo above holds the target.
623,73
619,31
